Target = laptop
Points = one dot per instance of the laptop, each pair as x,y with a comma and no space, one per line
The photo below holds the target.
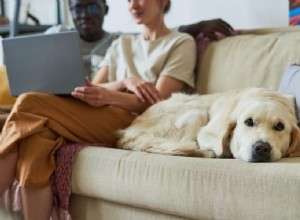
47,63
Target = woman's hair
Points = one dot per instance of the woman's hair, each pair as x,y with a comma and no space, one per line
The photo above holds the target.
167,7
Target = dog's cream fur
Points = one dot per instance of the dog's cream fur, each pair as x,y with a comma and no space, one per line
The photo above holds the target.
214,125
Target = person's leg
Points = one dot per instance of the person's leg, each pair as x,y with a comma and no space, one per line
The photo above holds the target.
70,118
37,203
34,169
39,124
7,174
47,121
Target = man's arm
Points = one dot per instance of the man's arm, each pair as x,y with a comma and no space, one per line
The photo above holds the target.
208,28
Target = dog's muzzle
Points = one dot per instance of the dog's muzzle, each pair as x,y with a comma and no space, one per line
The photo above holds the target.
261,152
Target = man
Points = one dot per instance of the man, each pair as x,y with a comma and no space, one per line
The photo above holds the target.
88,18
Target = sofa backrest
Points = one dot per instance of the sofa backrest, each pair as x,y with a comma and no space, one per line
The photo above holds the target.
255,58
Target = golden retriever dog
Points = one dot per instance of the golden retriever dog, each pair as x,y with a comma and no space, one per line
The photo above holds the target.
254,124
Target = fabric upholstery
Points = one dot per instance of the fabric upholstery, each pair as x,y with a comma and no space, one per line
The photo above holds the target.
190,187
247,60
95,209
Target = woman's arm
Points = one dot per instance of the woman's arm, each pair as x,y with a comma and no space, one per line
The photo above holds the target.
144,90
101,78
165,86
98,96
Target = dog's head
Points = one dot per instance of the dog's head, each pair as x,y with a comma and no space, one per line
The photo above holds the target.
266,127
255,125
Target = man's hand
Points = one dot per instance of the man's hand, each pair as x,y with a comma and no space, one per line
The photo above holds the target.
145,91
208,28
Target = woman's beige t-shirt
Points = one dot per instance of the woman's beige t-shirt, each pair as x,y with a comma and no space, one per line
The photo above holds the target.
172,55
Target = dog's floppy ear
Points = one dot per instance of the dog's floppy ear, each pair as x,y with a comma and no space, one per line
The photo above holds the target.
294,148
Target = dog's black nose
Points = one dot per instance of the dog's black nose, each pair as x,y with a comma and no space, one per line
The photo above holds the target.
261,152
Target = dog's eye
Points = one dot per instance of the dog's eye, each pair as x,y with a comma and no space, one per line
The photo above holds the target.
249,122
279,127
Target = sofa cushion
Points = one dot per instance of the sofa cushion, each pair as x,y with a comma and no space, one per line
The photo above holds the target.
247,60
190,187
289,84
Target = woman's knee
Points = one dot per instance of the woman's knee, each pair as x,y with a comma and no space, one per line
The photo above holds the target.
28,97
29,101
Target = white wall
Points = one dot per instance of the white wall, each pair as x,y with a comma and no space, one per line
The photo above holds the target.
241,14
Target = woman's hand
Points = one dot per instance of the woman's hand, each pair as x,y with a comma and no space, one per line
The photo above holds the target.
145,91
92,94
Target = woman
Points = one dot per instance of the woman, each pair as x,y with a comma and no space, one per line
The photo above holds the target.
137,72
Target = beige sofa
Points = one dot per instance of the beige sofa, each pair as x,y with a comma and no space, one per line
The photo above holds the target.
113,184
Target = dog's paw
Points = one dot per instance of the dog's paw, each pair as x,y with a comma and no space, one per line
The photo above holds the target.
225,155
204,153
209,154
